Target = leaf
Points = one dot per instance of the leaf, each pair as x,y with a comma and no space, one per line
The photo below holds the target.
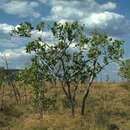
40,26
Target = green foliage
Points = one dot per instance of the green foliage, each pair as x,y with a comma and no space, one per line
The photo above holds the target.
125,69
40,26
24,30
32,76
80,54
73,58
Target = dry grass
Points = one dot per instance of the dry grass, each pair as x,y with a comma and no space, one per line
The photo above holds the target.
108,107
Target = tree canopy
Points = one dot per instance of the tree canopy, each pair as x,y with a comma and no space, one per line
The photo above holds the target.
72,58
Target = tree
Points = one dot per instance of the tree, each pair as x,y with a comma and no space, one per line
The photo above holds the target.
68,53
33,76
125,69
54,61
37,73
102,51
72,57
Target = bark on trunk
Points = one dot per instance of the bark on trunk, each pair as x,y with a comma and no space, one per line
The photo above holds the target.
84,102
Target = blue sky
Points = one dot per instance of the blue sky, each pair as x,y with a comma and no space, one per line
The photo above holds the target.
111,16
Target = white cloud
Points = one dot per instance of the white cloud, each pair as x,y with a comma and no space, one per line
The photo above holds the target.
101,19
9,53
109,6
90,13
45,36
34,4
108,22
5,28
20,8
16,58
76,8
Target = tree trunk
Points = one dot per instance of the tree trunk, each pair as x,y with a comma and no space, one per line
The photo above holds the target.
86,96
73,108
84,102
72,102
70,99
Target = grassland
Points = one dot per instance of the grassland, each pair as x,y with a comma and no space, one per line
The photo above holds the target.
108,108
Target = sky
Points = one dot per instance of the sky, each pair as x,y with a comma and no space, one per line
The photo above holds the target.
110,16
